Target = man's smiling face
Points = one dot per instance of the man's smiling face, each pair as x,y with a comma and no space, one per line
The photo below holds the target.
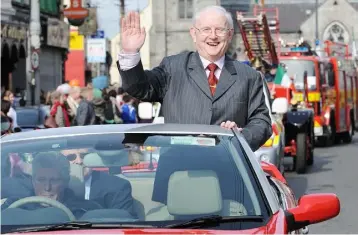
211,34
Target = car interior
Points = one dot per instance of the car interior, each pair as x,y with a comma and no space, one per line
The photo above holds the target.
177,190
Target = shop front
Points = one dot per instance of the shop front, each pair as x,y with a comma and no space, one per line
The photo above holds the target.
13,56
53,54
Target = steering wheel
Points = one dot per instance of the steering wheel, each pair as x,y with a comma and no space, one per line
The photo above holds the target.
45,200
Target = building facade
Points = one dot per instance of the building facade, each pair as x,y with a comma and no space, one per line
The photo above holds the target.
13,48
53,51
336,19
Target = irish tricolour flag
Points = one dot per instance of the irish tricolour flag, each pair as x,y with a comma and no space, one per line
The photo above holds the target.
282,78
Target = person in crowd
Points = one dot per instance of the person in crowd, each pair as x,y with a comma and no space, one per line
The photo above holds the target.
119,97
111,112
271,74
202,87
98,104
85,111
9,96
129,113
59,110
6,121
5,124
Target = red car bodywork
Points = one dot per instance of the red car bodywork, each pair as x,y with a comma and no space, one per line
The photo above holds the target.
276,225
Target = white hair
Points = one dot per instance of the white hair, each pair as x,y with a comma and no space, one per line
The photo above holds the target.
218,9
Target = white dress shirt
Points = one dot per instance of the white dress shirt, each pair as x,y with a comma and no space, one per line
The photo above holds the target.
88,187
128,61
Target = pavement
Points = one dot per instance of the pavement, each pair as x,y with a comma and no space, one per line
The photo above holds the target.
334,171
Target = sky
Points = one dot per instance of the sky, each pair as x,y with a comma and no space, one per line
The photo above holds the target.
108,14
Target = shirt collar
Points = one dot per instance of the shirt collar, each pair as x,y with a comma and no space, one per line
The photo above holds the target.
219,62
88,180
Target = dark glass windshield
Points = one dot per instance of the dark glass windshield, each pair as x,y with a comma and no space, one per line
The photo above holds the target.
296,68
128,177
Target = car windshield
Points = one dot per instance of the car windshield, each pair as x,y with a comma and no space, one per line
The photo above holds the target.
136,178
296,68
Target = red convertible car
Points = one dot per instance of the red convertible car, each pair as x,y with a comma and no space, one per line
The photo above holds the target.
202,179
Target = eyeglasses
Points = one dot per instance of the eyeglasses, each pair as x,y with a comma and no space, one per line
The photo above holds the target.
218,31
72,157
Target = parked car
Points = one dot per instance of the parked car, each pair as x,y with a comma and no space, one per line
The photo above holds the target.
207,180
30,117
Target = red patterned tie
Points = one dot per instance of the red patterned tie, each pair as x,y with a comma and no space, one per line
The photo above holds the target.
212,78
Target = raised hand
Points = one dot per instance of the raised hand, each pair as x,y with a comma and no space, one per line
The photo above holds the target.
132,35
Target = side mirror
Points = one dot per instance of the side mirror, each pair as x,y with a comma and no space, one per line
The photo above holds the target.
145,110
312,209
280,105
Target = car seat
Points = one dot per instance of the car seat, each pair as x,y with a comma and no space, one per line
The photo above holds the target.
196,158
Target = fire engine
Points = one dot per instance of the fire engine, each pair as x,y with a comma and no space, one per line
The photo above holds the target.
299,120
330,83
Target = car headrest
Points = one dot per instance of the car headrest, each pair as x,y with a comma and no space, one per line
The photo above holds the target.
194,193
106,158
196,158
93,160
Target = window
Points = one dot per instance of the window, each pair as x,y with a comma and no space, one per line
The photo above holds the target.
322,74
185,9
49,6
296,68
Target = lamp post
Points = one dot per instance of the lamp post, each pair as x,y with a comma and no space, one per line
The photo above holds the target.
35,44
316,31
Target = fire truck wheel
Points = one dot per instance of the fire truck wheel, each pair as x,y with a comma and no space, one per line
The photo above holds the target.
347,136
302,153
311,144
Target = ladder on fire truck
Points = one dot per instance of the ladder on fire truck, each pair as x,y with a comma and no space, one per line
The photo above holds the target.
336,49
256,34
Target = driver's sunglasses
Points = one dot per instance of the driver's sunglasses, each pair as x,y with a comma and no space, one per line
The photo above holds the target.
72,157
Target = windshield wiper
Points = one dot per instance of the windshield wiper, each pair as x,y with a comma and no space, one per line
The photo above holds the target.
215,220
64,226
80,225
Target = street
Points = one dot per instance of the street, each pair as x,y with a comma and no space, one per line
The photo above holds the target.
335,171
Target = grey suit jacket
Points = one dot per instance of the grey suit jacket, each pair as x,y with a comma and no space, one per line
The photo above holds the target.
181,85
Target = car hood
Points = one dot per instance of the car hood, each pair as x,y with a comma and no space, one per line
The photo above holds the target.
261,230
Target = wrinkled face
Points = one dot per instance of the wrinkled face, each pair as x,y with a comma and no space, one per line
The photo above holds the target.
211,35
48,183
75,156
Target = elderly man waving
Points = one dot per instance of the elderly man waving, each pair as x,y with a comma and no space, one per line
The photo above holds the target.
202,87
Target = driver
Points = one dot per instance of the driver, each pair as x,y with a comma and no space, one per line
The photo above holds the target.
50,178
110,191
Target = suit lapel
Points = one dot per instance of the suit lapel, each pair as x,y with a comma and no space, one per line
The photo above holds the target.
197,73
227,78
